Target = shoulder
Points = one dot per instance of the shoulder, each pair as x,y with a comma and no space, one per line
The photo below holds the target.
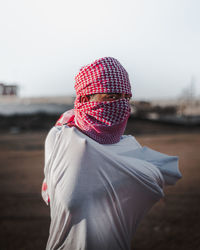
57,133
51,140
130,140
51,136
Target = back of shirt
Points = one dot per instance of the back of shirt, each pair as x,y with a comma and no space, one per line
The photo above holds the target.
99,193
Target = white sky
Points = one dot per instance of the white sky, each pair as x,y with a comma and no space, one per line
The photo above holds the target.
43,43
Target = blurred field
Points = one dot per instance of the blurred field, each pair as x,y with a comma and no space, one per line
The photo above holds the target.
172,224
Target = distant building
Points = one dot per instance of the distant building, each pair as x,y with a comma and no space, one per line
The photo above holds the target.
8,90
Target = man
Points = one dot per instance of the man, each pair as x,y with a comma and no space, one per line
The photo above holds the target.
98,182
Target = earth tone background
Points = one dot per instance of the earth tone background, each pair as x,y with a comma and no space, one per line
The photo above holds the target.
172,224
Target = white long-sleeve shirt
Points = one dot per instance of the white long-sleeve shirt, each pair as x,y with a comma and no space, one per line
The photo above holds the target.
99,193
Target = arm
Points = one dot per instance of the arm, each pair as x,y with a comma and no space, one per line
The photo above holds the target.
167,165
49,145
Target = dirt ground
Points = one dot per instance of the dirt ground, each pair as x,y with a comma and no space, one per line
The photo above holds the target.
24,219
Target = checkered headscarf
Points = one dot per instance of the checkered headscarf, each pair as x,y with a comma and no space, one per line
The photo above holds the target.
105,75
105,121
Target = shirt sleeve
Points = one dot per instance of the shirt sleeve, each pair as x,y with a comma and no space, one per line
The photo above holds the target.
167,165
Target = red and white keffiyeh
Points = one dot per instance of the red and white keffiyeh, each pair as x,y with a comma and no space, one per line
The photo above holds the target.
105,121
105,75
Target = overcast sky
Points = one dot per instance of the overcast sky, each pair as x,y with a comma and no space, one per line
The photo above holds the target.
43,43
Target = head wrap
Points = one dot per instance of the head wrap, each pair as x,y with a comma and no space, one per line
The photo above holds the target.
104,121
105,75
